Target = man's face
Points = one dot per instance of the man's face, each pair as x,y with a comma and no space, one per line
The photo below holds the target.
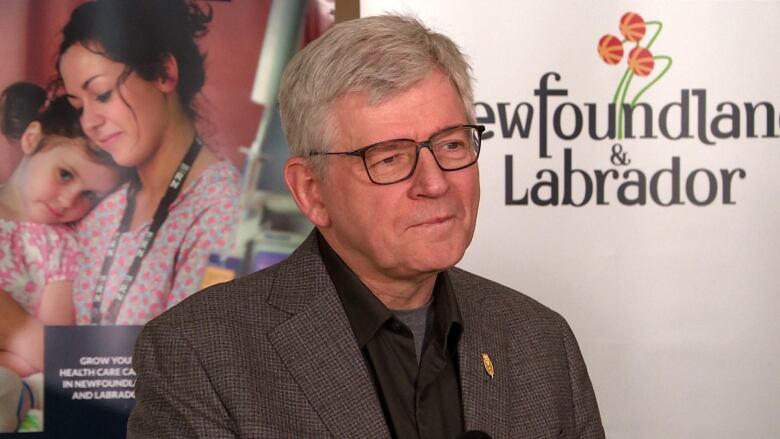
413,228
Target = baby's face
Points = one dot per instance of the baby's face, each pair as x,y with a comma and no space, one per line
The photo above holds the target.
63,182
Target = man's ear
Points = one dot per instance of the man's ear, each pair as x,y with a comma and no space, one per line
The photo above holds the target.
31,137
168,83
305,185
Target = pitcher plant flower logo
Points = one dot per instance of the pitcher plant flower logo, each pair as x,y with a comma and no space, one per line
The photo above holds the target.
640,60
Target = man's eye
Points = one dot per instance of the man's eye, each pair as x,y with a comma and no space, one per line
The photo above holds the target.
388,160
451,148
65,175
103,97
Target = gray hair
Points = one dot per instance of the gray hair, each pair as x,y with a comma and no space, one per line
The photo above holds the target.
383,56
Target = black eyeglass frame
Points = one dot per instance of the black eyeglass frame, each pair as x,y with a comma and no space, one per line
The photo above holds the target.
361,152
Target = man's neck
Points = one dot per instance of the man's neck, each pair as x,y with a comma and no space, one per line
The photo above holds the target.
401,295
395,290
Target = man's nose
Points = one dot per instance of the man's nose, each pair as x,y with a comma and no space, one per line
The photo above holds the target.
429,178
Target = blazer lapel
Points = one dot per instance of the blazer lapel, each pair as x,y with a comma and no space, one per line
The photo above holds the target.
485,398
318,347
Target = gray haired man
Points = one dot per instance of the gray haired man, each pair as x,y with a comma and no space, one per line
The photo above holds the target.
367,330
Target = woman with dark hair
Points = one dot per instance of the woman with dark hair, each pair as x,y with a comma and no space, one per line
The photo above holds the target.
133,69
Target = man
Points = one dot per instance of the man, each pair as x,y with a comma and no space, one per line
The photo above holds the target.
366,330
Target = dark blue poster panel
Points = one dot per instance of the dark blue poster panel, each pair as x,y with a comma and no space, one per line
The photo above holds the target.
89,380
88,383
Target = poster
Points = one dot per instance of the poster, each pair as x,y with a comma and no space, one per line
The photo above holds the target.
629,182
87,381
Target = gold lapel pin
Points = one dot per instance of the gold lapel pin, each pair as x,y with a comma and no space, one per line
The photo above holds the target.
488,364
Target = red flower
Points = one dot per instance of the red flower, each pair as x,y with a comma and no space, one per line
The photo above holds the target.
610,49
641,61
632,26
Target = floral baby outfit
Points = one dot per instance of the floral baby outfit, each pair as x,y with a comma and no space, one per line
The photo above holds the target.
33,256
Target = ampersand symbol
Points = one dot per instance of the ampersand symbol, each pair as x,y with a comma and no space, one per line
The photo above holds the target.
619,158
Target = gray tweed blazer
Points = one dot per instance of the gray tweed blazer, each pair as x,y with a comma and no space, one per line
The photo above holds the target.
272,355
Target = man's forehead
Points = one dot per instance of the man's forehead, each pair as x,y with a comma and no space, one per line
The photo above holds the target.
412,113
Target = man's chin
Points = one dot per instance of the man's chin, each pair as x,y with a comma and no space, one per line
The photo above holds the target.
438,258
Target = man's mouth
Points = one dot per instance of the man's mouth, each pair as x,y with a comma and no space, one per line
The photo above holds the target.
435,221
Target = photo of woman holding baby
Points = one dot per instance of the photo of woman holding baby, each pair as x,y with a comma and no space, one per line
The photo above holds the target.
146,148
128,74
144,248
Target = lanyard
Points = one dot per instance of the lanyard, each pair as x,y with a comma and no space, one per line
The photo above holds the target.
174,187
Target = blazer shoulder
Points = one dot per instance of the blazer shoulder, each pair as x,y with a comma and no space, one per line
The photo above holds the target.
477,289
228,300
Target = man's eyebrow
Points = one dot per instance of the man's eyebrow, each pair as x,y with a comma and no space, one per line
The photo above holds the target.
452,126
439,131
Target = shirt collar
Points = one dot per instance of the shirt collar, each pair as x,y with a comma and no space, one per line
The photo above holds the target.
447,323
366,313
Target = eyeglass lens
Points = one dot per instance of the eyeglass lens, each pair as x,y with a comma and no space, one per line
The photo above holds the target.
394,160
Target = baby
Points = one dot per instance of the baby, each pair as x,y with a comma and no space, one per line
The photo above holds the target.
59,179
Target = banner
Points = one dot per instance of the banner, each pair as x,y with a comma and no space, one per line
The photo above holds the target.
629,182
84,385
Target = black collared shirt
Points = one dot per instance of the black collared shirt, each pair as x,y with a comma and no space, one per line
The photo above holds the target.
419,401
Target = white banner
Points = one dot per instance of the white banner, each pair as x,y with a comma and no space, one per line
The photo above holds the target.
630,182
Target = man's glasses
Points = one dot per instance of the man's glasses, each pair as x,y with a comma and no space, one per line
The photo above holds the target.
392,161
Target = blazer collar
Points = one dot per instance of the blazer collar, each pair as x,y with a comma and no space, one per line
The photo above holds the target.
483,345
319,349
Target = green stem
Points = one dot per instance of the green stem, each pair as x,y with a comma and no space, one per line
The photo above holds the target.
620,85
619,105
660,75
657,32
622,101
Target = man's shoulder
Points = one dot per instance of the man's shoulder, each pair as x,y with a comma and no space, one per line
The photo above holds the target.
498,299
238,301
260,299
